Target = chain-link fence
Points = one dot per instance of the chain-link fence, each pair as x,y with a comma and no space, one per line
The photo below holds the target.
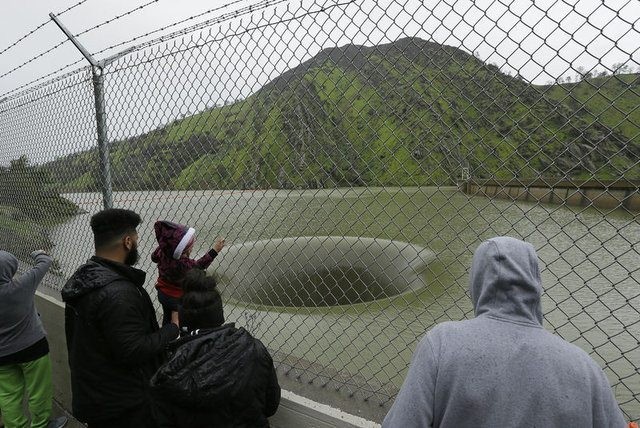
354,154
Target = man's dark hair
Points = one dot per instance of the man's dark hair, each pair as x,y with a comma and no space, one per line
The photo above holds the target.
201,304
112,224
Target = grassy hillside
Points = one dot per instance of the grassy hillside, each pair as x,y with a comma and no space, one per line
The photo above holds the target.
406,113
29,206
611,100
21,235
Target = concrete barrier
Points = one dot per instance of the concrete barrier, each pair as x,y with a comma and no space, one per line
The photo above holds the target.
294,410
608,194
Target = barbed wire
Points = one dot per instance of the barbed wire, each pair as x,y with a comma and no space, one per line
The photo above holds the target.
167,27
217,20
199,45
13,70
24,37
51,92
14,93
40,26
117,17
249,9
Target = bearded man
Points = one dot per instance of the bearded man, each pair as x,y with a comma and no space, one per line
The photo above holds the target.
114,342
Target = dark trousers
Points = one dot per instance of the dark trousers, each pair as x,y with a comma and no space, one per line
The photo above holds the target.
139,417
169,304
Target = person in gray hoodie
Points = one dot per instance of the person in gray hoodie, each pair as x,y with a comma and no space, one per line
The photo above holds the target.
502,368
24,350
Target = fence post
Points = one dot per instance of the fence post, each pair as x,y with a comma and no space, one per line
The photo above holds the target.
101,125
101,115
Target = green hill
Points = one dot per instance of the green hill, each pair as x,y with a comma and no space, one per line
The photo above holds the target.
611,100
29,207
405,113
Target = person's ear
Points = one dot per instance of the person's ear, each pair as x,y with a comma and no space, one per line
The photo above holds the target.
128,242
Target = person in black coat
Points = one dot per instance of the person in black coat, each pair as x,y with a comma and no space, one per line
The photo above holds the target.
218,375
113,338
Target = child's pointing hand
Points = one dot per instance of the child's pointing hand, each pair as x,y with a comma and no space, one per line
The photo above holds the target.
219,245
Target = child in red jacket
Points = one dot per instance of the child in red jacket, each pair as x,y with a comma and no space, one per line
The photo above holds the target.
172,256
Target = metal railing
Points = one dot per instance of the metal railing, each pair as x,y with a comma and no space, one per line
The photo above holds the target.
354,154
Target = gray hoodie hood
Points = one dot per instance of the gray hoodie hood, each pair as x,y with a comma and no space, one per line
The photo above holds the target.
505,281
8,267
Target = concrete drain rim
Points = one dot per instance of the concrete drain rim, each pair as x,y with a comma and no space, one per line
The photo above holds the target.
320,271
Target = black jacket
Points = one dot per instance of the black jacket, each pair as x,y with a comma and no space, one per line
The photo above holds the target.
221,377
113,339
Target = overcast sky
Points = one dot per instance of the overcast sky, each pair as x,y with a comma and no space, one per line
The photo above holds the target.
20,17
540,40
583,32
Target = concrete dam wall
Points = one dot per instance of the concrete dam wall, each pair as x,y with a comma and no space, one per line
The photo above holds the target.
607,194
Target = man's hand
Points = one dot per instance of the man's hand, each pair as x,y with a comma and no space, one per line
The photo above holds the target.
218,245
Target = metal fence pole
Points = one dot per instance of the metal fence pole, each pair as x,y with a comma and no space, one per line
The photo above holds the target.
101,115
101,125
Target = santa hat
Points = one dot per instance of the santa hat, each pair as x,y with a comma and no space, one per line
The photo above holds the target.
173,238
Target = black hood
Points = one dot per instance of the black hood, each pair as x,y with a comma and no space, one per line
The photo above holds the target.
209,367
97,273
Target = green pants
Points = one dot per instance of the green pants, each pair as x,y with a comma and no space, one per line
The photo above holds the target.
35,378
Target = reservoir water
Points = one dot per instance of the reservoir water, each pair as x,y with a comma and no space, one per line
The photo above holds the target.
360,325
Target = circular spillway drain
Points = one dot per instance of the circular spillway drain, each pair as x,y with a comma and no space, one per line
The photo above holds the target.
320,270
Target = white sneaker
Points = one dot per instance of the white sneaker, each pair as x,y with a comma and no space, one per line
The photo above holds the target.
58,422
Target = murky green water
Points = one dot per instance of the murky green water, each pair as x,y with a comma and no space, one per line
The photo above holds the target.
589,259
